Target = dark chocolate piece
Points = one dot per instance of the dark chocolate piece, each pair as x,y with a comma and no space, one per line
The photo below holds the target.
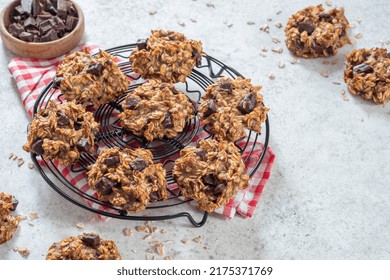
306,26
50,36
15,29
95,69
83,145
112,161
29,22
197,56
104,185
15,203
210,180
26,36
325,16
62,9
71,23
36,8
227,87
91,240
26,5
211,109
201,154
167,122
154,196
247,103
45,26
131,103
63,119
219,188
37,147
142,44
362,68
138,164
57,82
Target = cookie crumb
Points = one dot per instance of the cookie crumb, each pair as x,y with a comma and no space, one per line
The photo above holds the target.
127,232
325,62
20,162
33,215
271,76
265,28
152,12
264,48
80,225
343,93
23,251
141,229
15,157
325,74
334,62
181,23
168,258
150,250
281,64
22,217
134,251
154,242
275,40
294,60
164,231
328,2
31,224
278,24
197,239
230,25
277,50
359,35
250,23
31,165
148,236
160,249
185,241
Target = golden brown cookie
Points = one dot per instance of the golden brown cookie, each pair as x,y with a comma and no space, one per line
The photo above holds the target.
90,79
88,246
62,132
128,179
368,74
167,56
314,32
211,173
8,223
231,106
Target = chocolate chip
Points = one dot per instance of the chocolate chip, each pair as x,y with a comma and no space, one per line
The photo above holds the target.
104,185
362,68
167,122
131,103
50,36
306,26
91,240
343,32
226,87
317,48
154,196
37,147
29,22
45,26
219,188
247,103
78,125
329,50
111,161
174,90
62,10
83,145
15,203
197,56
325,16
138,164
57,82
142,44
62,119
15,29
95,69
201,154
71,23
19,10
27,37
210,180
210,109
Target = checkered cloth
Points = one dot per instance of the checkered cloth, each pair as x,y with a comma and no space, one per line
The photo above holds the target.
33,75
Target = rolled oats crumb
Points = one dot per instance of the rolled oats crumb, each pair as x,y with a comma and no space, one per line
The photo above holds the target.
325,62
343,93
250,22
185,241
206,248
336,82
271,76
281,64
277,50
31,224
154,242
160,249
181,23
210,5
230,25
164,231
80,225
15,249
328,2
152,12
127,232
352,25
325,74
150,250
134,251
275,40
22,217
359,35
278,24
335,61
11,155
269,19
20,162
197,239
193,20
264,48
263,55
148,236
168,258
148,257
352,41
15,157
23,251
294,60
33,215
265,28
141,229
279,12
387,42
31,165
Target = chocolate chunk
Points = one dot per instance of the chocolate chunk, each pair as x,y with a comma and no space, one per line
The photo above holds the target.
210,109
57,82
71,23
362,68
15,29
167,122
142,44
37,146
219,188
317,48
138,164
45,26
58,24
71,9
91,240
18,11
15,203
26,5
210,180
325,16
172,37
343,32
50,36
29,22
197,56
104,185
62,9
329,50
83,145
52,10
33,31
95,69
131,103
78,125
174,90
36,8
154,196
26,36
62,119
111,161
226,87
306,26
201,154
247,103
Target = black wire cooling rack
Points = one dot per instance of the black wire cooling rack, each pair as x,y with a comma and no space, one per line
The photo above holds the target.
66,180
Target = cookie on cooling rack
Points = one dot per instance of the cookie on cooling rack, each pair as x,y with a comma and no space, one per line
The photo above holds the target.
88,246
314,32
8,223
211,173
62,132
90,79
128,179
156,110
368,74
166,55
230,106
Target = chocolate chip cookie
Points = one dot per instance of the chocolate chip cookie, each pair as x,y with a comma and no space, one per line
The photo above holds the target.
8,223
368,74
128,179
230,106
88,246
90,79
314,32
166,55
156,110
62,132
211,173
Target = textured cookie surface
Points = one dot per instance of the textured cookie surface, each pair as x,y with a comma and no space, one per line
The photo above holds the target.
166,55
231,106
315,32
211,173
91,79
62,132
128,179
156,110
88,246
367,74
8,223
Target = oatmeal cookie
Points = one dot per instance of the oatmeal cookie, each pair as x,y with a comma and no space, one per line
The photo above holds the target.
166,55
314,32
211,173
62,132
230,106
90,79
156,110
88,246
128,179
8,223
368,74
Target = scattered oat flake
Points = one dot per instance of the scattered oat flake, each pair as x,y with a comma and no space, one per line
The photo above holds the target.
22,217
277,50
328,2
206,247
271,76
281,64
168,258
387,42
343,93
150,250
160,249
279,12
10,155
148,236
152,12
352,25
193,20
352,41
127,232
31,165
210,5
141,228
325,74
278,24
80,225
264,48
275,40
154,242
185,241
336,82
134,251
250,23
148,257
197,239
20,162
31,224
334,61
181,23
164,231
23,251
230,25
359,35
325,62
263,54
294,60
33,215
15,157
269,19
358,19
265,28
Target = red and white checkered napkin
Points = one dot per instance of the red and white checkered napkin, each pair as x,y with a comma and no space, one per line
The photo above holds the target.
33,75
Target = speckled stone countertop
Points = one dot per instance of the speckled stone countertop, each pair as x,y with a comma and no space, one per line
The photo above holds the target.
328,196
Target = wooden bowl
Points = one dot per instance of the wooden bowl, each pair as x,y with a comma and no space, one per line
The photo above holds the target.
40,50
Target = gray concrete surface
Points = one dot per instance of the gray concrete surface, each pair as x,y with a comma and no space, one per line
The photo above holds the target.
329,193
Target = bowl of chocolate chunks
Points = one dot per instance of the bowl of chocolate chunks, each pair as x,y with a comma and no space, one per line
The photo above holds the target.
41,28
